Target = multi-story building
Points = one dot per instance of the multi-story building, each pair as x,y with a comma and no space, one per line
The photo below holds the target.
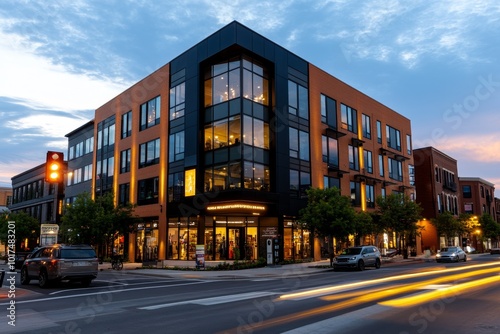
38,198
436,179
478,198
80,164
218,147
5,198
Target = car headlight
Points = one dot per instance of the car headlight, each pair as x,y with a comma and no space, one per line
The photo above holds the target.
438,255
352,258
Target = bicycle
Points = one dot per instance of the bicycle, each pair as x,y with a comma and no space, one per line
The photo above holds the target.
117,263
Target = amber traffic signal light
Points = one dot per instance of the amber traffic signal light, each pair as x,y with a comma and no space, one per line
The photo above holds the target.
54,167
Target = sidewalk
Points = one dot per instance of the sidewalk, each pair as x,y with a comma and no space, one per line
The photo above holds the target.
187,269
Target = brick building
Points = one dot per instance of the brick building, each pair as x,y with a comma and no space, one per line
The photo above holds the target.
218,146
436,185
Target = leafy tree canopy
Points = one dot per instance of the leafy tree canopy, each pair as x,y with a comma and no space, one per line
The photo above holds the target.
328,213
447,225
26,227
398,213
95,222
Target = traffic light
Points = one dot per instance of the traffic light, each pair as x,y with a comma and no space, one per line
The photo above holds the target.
54,167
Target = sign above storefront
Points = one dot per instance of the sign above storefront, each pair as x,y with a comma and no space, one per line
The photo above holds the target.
237,207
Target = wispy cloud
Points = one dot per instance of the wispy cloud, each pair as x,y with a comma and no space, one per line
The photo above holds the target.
35,81
408,32
480,148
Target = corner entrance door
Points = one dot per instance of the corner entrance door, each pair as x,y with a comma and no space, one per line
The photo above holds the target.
236,247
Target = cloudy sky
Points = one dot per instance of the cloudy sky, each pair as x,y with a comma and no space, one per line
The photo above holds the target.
435,62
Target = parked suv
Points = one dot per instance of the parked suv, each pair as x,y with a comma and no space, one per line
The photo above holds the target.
358,257
60,263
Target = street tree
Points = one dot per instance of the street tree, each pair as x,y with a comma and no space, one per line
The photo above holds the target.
490,228
328,214
96,222
448,226
399,214
27,228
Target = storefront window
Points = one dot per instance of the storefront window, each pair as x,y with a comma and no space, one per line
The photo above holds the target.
220,241
147,242
209,240
296,241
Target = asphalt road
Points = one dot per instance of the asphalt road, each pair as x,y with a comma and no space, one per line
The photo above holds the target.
423,297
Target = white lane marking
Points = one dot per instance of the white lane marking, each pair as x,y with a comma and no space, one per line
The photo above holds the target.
112,284
101,292
212,300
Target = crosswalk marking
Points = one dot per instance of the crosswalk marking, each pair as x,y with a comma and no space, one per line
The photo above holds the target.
212,300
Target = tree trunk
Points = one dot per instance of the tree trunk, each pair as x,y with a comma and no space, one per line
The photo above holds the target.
330,250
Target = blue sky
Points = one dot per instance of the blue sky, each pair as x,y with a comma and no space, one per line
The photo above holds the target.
435,62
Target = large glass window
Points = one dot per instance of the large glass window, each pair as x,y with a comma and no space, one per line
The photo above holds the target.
370,196
149,153
176,146
379,132
408,144
223,82
127,124
299,144
368,161
355,193
353,157
256,176
147,191
150,113
381,165
87,172
349,118
255,83
299,183
367,127
330,182
125,161
395,169
393,138
298,100
175,186
89,145
255,132
466,192
330,148
124,194
328,111
222,133
177,101
228,176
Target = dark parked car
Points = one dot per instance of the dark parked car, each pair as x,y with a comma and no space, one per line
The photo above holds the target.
358,257
495,251
60,263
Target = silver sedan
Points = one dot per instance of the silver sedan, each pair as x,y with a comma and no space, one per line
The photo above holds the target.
451,254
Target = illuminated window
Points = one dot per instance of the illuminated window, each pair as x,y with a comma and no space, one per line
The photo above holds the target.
150,113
